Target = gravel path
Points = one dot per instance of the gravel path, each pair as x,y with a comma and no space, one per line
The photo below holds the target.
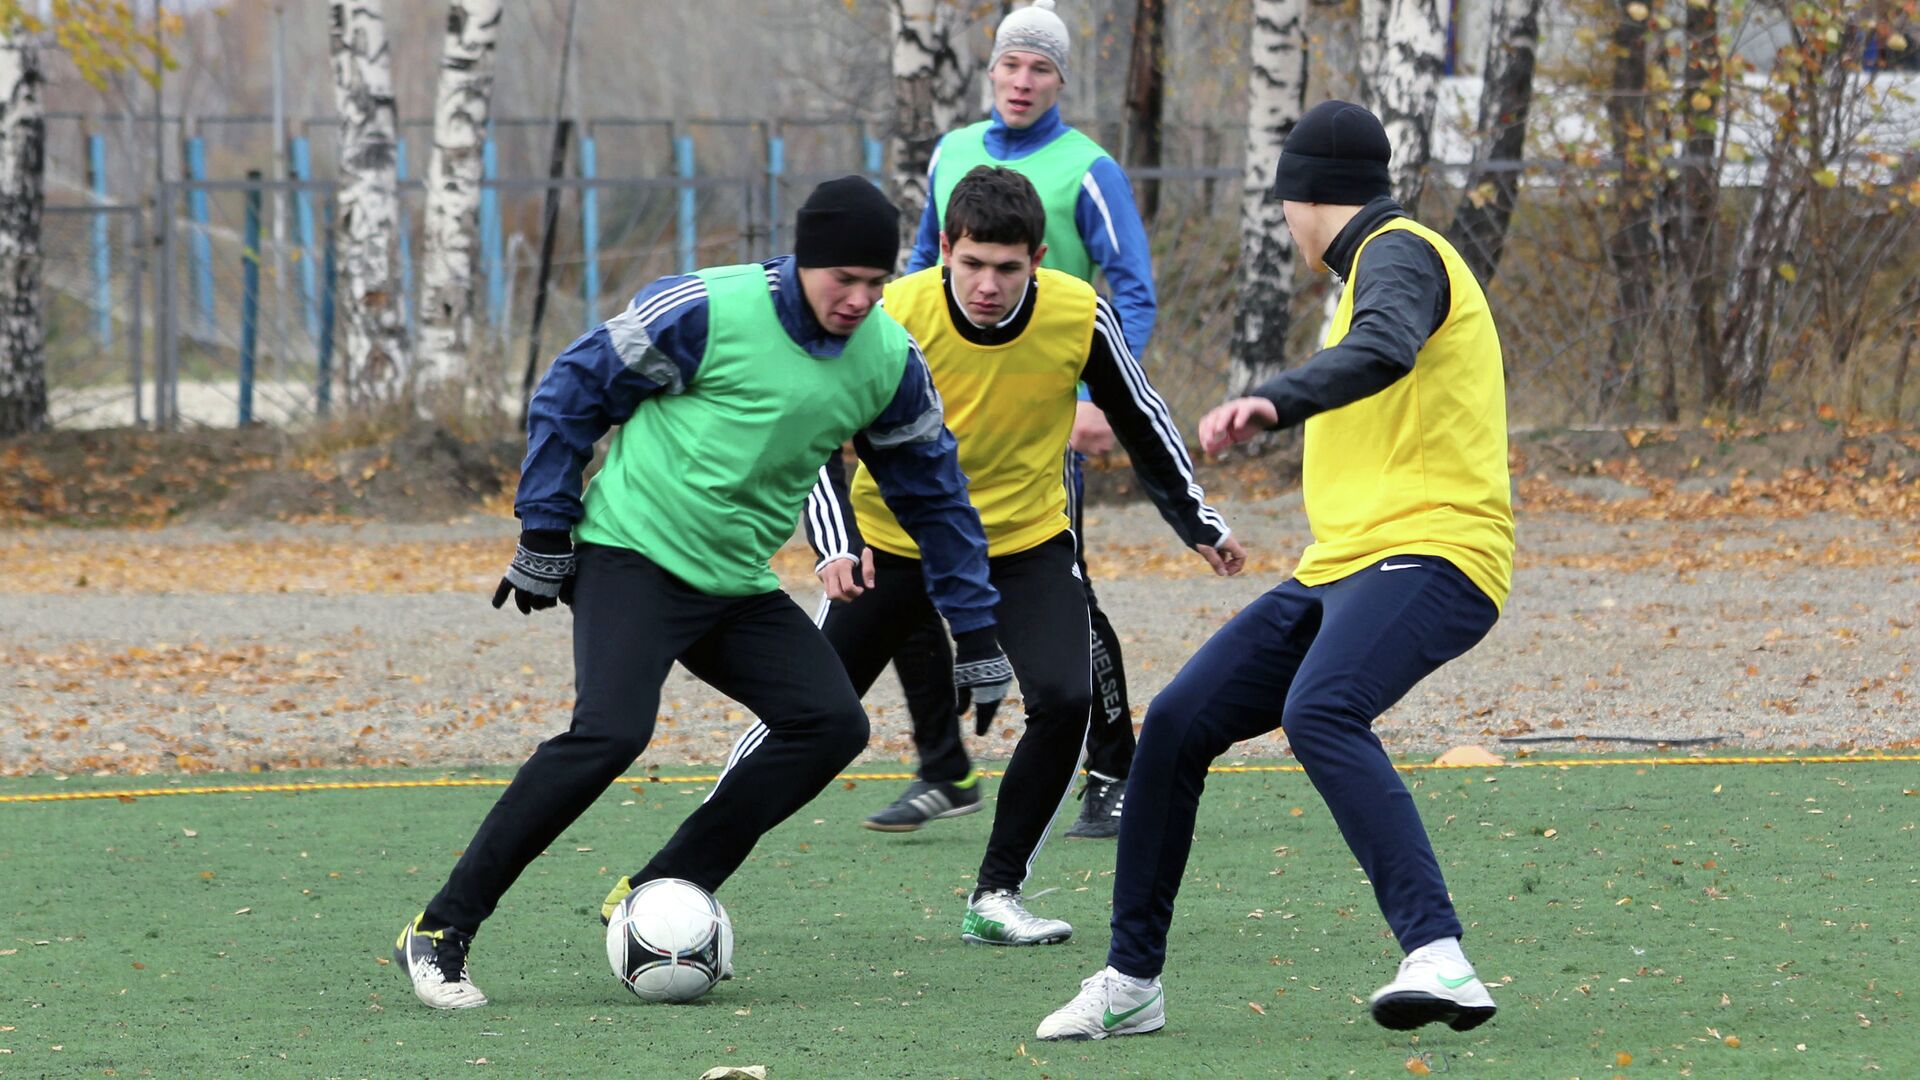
1764,634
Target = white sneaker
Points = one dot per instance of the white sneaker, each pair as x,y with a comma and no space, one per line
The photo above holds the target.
436,963
1000,918
1107,1004
1429,988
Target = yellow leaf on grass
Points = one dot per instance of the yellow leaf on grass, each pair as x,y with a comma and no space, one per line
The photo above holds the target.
1418,1066
1295,812
1257,1007
1623,1059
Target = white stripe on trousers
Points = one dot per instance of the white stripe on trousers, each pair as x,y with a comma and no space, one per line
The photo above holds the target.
743,746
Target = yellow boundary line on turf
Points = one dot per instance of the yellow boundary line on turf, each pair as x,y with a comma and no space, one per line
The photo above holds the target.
378,785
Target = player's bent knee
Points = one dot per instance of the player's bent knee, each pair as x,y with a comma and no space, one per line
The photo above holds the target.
845,733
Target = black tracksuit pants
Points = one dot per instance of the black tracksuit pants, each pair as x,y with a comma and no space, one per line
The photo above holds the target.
1042,625
631,621
1110,740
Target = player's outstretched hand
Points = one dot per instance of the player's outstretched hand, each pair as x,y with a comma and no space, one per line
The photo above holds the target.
541,574
981,676
1227,559
843,581
1237,421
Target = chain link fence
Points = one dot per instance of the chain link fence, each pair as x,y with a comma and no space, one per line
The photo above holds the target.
238,322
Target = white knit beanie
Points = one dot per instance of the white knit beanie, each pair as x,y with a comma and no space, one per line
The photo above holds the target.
1033,29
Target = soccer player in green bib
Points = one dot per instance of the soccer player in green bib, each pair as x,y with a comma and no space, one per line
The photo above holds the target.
1006,340
1407,494
729,385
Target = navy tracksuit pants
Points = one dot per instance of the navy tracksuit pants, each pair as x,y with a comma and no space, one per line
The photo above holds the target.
1322,662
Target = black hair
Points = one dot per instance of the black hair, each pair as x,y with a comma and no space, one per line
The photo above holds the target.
995,205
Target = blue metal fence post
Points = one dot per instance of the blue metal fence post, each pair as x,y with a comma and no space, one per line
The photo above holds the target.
491,242
102,245
323,389
249,297
200,252
876,154
687,223
300,160
776,169
589,235
406,241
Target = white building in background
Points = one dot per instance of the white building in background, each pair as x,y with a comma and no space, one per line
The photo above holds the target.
1573,116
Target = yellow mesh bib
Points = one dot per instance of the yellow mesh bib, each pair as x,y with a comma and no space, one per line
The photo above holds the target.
1421,467
1010,406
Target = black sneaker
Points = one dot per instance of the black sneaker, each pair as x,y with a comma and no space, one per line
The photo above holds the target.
436,963
1100,803
923,802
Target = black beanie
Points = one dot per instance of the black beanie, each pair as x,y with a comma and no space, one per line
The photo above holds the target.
1337,153
847,222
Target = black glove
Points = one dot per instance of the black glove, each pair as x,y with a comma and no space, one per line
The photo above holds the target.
981,676
542,572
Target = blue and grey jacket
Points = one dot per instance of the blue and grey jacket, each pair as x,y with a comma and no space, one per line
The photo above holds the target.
655,347
1105,213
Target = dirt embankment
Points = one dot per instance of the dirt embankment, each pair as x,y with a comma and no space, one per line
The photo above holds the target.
425,472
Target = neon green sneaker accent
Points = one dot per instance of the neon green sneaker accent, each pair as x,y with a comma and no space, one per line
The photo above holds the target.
619,893
982,927
1455,984
1108,1018
972,779
414,928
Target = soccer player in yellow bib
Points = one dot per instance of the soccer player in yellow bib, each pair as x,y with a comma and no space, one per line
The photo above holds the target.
1406,490
1006,341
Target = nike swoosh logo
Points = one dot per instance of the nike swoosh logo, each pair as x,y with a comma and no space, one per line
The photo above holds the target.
1111,1018
1455,984
1400,566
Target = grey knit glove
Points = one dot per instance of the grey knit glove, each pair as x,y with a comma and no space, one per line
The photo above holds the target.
541,574
981,676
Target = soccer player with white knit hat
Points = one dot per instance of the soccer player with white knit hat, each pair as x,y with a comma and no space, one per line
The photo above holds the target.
1406,491
1092,225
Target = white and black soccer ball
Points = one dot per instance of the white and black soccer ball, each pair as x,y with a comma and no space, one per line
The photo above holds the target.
669,940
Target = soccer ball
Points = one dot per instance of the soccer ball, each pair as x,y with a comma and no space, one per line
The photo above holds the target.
669,940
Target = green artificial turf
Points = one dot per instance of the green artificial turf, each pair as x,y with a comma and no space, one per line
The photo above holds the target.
1624,910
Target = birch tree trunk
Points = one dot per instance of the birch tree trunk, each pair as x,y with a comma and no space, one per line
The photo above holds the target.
23,371
1479,228
931,79
1276,96
1630,249
453,189
1146,96
377,362
1402,53
1697,195
1771,243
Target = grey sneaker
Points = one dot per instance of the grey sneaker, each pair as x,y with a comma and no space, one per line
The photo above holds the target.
1000,917
1100,803
436,963
923,802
